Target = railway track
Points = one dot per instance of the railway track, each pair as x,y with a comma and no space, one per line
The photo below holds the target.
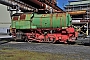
4,38
79,52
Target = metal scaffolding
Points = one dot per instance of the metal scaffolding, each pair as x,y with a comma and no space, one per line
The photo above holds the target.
79,11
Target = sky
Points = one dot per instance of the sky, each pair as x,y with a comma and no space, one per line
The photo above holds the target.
62,3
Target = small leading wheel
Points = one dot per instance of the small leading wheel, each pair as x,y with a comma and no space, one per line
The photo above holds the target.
54,40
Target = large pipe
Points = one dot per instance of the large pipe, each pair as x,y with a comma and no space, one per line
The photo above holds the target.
35,3
12,2
52,4
41,5
77,12
78,21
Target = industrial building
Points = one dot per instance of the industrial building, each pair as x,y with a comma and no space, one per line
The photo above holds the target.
5,20
80,12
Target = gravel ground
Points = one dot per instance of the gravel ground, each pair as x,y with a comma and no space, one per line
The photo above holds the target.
78,52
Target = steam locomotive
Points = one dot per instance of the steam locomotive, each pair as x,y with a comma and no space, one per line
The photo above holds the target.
55,27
